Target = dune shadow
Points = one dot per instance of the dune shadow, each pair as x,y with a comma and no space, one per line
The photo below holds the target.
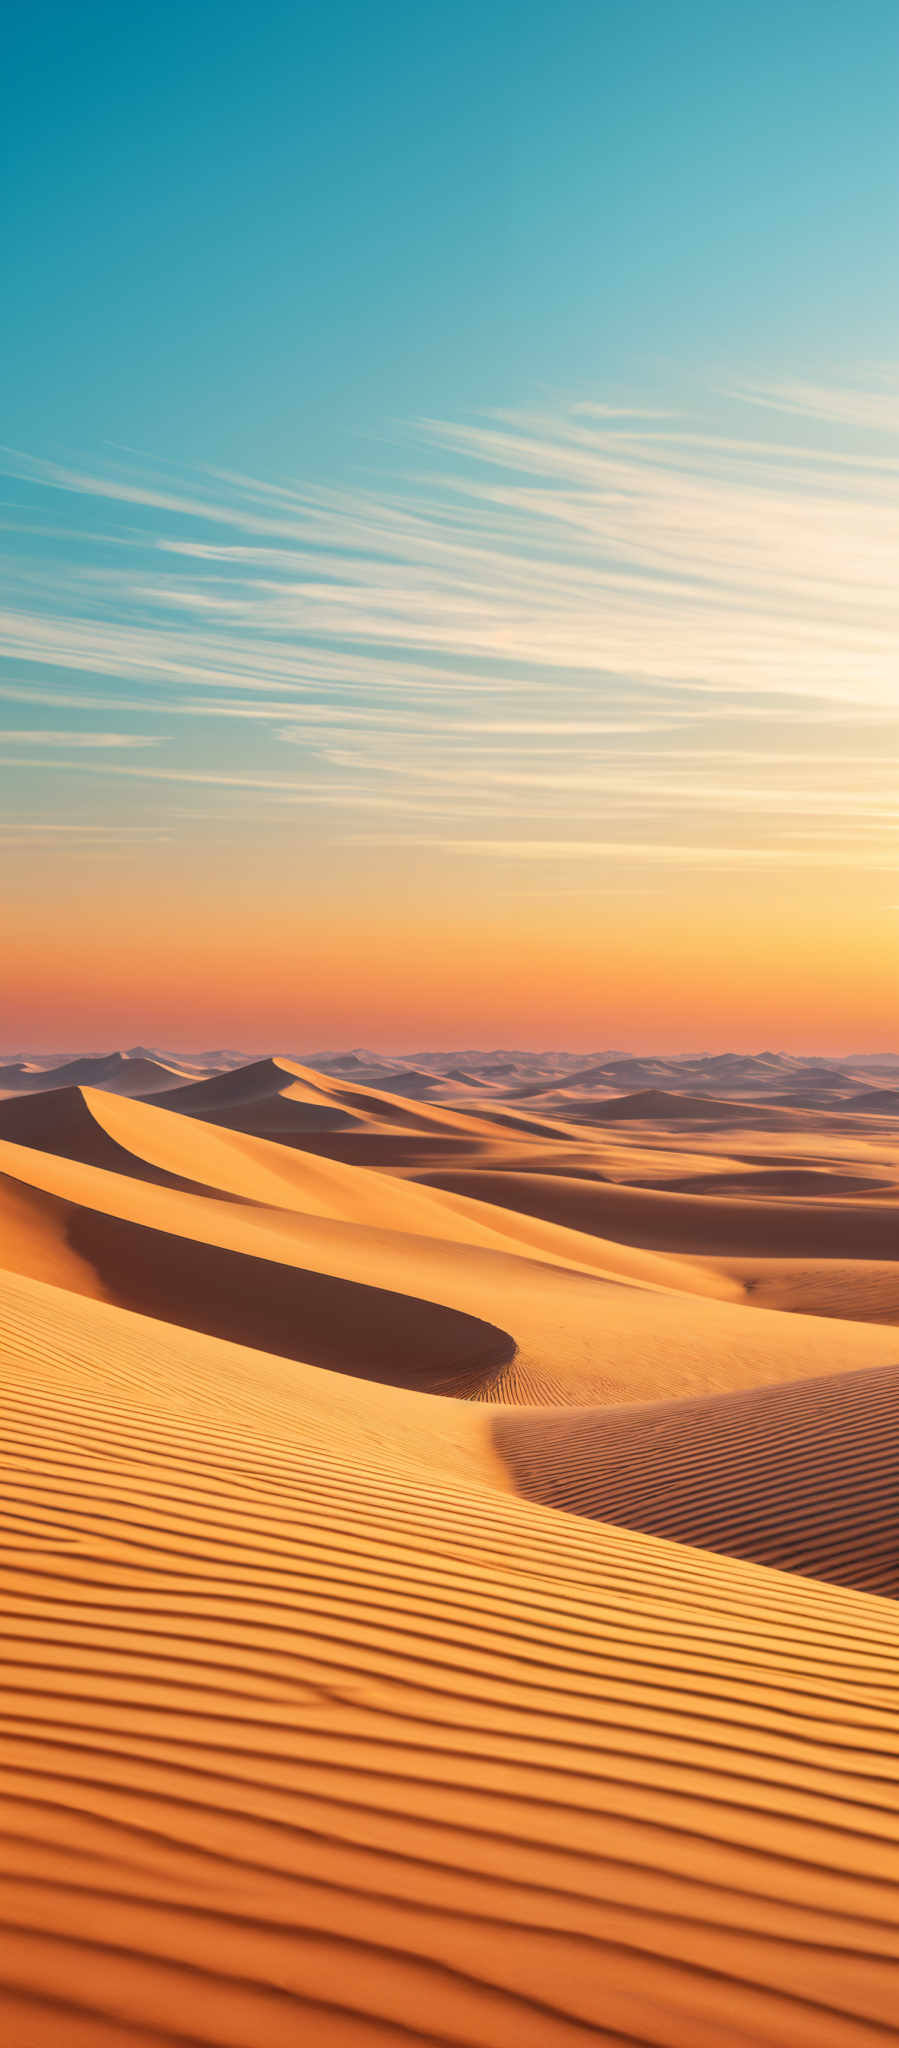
343,1325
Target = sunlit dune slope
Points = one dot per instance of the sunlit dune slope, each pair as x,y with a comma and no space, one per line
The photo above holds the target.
802,1476
149,1143
453,1299
692,1225
198,1263
310,1733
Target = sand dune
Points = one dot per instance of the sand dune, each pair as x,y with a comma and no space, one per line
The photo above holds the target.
123,1073
569,1318
652,1105
689,1224
280,1099
444,1604
802,1476
70,1124
858,1289
312,1733
124,1241
758,1180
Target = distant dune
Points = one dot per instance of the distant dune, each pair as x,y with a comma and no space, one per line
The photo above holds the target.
652,1105
689,1224
280,1099
122,1073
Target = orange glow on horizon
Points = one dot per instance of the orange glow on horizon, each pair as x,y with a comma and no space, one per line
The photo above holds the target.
682,968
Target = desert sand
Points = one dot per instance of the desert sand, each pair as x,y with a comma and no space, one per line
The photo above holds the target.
449,1548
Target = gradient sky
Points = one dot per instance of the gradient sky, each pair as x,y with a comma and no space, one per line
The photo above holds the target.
450,509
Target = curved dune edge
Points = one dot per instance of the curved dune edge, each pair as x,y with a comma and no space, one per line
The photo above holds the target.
145,1142
802,1476
311,1733
272,1305
68,1124
578,1335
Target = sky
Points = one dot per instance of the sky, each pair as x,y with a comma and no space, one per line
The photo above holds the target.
448,490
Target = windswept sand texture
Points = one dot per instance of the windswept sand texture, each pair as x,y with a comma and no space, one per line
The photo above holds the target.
804,1476
445,1592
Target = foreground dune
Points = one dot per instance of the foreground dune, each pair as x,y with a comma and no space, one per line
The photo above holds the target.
311,1732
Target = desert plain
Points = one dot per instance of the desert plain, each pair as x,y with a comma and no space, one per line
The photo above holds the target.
450,1550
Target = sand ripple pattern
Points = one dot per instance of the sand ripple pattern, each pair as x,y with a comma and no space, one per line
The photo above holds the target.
803,1476
309,1734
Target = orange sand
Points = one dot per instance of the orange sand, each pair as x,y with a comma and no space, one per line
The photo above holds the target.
320,1721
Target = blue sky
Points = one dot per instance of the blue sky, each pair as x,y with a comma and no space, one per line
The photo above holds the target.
265,234
453,448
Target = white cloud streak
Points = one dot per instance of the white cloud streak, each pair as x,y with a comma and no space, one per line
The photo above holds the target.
552,619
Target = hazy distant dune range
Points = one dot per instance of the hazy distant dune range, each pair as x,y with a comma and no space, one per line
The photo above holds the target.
589,1319
803,1476
278,1098
312,1731
120,1073
664,1111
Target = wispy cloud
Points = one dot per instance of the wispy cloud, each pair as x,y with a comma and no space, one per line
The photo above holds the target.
16,737
582,612
672,853
875,408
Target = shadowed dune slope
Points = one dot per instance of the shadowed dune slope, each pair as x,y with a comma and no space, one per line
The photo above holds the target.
311,1733
694,1225
816,1181
802,1476
655,1105
70,1124
558,1332
166,1259
148,1143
